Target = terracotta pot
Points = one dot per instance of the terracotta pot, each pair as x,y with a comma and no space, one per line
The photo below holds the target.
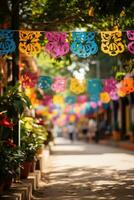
25,169
33,165
8,182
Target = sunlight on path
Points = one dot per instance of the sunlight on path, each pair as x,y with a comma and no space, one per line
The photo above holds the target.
79,171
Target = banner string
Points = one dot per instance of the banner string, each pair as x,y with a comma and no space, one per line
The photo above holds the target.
65,31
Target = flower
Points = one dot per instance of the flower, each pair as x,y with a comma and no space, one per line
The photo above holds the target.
9,143
41,122
5,121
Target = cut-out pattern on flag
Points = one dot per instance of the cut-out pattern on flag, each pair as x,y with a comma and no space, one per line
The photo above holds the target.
94,87
109,85
83,44
7,44
29,42
57,45
130,35
76,86
44,82
59,84
28,79
105,97
111,42
70,99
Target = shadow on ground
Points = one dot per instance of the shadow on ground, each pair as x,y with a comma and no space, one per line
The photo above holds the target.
87,184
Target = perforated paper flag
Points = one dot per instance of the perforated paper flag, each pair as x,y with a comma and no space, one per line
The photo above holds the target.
47,100
82,99
58,99
105,97
28,79
59,84
83,44
109,85
7,44
94,87
111,42
76,86
127,85
114,95
121,93
130,35
57,45
70,99
44,82
29,42
94,97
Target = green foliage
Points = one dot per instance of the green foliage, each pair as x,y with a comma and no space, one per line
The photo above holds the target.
14,102
11,158
32,137
49,65
68,14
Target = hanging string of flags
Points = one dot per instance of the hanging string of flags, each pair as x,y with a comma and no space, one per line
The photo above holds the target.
104,90
82,44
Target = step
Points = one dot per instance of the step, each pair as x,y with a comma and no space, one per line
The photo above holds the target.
23,189
35,178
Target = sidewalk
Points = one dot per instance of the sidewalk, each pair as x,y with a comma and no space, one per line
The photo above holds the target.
85,171
120,144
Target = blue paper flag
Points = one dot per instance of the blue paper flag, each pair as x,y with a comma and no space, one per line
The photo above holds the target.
70,99
94,87
7,44
44,82
83,44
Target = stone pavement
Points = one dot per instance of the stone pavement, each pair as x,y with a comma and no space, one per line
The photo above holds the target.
79,171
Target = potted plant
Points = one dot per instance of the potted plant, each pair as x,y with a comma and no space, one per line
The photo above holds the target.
29,148
11,158
29,151
13,103
29,145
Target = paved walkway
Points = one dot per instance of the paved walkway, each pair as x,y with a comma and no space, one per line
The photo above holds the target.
79,171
